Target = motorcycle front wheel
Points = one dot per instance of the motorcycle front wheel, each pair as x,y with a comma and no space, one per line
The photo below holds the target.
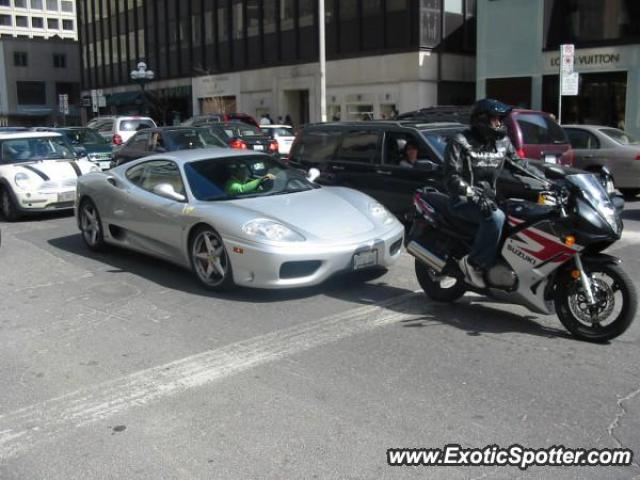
615,308
438,287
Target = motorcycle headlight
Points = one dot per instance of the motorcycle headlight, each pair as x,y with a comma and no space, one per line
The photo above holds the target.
24,181
270,230
378,211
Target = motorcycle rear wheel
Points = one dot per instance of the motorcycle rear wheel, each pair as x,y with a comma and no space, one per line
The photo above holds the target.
434,286
571,304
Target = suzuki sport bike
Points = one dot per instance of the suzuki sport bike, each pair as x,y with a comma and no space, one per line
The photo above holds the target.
550,258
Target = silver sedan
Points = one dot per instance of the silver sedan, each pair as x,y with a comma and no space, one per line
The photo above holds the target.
597,146
236,218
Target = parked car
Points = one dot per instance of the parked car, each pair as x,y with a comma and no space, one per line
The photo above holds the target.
366,156
288,232
201,120
120,129
38,172
87,143
241,136
283,134
534,134
598,146
166,139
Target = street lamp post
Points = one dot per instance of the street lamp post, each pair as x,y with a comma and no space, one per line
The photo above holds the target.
142,75
322,61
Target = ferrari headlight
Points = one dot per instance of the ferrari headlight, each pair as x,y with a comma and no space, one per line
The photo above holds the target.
270,230
378,211
24,181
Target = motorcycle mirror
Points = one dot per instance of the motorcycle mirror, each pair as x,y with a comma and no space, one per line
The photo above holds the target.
313,174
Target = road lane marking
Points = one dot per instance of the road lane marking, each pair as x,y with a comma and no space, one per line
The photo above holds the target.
20,430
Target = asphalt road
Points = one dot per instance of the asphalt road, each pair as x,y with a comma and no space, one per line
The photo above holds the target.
118,366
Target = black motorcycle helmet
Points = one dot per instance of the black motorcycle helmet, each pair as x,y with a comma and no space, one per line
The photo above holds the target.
481,114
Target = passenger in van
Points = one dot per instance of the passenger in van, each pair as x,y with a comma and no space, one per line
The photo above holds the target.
410,154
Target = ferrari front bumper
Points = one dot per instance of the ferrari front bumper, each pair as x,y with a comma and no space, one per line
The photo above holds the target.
306,264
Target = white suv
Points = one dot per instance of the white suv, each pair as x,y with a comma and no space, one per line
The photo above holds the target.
38,172
120,129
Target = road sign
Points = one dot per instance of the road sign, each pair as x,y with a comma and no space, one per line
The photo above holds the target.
102,101
568,78
63,103
567,54
569,84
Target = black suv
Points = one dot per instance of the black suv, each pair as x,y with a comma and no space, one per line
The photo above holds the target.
366,156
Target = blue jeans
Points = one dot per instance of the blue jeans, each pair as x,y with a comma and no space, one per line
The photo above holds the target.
485,244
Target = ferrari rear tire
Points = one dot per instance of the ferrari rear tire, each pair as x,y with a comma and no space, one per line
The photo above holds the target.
8,205
91,225
209,259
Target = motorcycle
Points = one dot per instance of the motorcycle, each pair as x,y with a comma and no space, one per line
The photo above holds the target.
550,258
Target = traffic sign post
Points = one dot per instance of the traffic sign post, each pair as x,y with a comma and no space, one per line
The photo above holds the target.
94,101
63,106
569,80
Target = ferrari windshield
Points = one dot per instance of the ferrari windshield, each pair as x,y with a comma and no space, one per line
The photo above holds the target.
19,150
243,177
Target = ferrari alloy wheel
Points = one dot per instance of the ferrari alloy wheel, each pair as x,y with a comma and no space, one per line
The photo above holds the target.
91,226
9,210
210,260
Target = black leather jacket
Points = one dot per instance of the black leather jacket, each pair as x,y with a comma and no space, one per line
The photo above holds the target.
470,161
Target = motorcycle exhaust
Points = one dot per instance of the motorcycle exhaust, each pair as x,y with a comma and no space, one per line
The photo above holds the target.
425,256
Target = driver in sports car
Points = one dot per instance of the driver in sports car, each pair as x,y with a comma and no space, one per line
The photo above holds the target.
239,182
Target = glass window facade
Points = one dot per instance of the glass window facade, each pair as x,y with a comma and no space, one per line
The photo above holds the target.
591,22
183,38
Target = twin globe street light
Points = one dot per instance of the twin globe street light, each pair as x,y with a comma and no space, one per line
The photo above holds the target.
141,76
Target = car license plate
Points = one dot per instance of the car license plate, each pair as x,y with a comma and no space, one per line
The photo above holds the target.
66,196
258,147
550,159
365,259
105,165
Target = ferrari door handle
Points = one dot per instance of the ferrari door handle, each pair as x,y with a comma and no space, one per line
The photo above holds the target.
112,181
384,172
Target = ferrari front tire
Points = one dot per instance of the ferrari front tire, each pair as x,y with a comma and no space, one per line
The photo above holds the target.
8,205
209,259
91,226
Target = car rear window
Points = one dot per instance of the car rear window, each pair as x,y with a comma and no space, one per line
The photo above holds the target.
316,146
135,124
620,136
540,130
280,131
243,130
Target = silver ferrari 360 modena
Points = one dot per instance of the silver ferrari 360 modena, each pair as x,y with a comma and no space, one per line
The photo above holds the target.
236,217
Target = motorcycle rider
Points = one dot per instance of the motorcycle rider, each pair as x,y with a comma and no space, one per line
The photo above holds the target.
473,160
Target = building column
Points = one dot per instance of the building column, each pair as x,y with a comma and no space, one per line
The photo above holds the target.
632,109
481,88
536,92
